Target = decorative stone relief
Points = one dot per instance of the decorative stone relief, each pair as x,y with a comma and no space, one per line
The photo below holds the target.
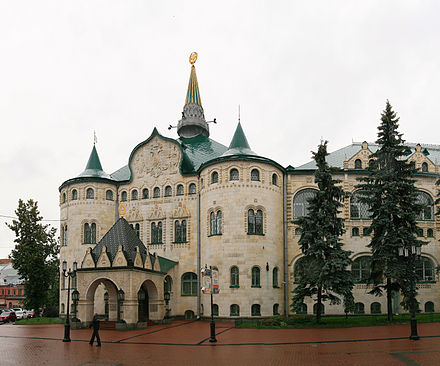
180,211
158,157
88,260
133,214
156,213
103,260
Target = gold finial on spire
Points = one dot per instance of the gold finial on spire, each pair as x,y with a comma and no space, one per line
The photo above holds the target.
193,58
95,139
239,113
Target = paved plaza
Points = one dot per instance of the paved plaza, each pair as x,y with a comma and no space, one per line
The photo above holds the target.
187,343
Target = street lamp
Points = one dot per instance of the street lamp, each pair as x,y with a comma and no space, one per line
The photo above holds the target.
75,298
415,253
166,297
121,298
69,274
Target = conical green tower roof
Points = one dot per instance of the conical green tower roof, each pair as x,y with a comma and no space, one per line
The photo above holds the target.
193,94
94,167
239,144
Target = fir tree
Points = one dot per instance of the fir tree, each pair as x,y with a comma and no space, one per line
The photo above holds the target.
390,192
324,273
35,255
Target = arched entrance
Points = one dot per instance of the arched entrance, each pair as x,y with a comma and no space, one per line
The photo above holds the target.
147,301
102,298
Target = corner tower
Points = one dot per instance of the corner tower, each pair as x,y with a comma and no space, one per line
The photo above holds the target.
193,121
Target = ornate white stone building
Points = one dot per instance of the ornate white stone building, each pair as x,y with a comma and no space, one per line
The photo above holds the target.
147,229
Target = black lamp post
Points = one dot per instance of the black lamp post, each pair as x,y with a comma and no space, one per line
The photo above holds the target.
415,253
166,297
75,298
69,274
121,298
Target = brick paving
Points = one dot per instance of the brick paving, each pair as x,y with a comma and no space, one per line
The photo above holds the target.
186,343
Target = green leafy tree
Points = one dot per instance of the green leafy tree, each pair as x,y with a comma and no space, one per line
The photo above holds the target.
35,256
324,273
390,192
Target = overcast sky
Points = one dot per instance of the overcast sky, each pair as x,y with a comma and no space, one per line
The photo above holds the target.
300,70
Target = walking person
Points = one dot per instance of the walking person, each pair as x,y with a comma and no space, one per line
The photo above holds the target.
95,325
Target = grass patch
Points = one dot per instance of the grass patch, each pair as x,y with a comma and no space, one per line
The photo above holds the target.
39,320
309,321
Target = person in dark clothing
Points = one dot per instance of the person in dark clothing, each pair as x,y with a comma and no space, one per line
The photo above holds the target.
95,325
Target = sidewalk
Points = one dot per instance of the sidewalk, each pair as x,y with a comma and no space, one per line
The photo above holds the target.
186,343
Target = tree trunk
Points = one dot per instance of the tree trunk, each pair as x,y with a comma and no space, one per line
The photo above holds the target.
318,306
389,300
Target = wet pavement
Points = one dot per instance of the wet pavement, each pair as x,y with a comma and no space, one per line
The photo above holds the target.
187,343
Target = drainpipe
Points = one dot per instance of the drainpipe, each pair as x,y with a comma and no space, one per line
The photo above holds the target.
286,283
198,256
117,204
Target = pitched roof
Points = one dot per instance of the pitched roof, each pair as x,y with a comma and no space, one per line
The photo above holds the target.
336,158
121,233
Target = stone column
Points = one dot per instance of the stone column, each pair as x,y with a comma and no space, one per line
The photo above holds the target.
85,311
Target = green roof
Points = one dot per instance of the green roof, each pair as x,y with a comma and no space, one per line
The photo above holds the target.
166,264
239,144
193,94
93,167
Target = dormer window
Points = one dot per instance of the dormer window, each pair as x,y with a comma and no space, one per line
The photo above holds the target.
358,164
425,167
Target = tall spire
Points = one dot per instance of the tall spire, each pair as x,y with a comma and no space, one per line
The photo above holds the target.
193,121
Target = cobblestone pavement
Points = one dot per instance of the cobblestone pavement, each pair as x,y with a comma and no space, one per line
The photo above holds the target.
186,343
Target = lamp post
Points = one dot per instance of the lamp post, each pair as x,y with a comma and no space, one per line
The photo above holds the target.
69,274
166,297
75,298
121,298
415,253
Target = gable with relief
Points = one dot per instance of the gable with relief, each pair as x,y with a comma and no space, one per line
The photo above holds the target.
133,214
363,155
419,158
180,211
156,213
156,158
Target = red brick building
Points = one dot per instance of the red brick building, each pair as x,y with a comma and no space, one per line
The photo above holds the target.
11,290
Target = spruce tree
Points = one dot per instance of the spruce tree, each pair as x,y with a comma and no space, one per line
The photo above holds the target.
324,273
35,256
390,192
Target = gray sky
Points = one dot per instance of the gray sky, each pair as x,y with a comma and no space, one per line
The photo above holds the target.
300,70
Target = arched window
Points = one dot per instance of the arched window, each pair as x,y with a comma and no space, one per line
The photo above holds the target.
192,188
189,314
87,234
358,164
303,309
93,233
429,307
90,193
355,231
62,308
274,179
375,308
74,195
366,231
235,277
256,310
168,191
315,308
233,174
214,310
371,163
255,175
218,222
430,233
234,310
298,269
109,195
64,197
427,212
179,190
255,276
167,284
275,277
276,309
361,269
359,308
145,193
189,284
425,167
214,177
255,222
156,192
297,231
212,224
301,202
180,231
134,194
156,233
358,210
137,228
124,196
424,270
